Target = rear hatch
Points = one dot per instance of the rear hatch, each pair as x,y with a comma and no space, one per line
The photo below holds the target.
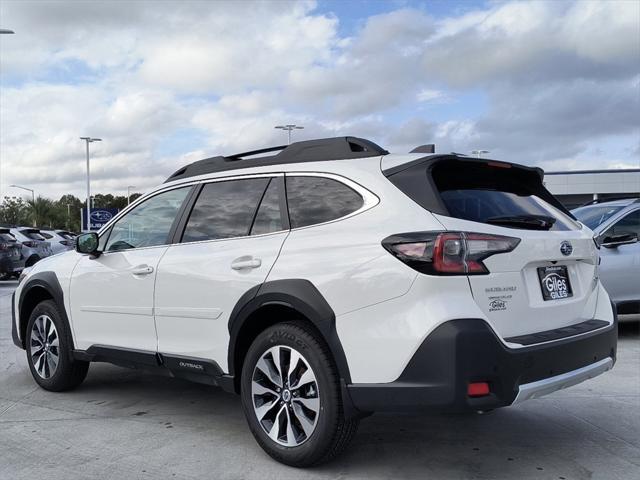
548,280
9,245
37,241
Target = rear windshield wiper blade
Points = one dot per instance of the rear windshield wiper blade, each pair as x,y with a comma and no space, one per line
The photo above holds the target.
531,222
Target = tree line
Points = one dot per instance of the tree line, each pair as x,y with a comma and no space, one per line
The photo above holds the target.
61,214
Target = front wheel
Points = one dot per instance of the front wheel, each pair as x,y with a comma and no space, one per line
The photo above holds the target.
291,396
49,351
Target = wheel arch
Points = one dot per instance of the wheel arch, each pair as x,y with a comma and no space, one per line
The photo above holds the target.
274,302
39,287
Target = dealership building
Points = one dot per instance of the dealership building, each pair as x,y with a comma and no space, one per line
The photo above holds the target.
575,188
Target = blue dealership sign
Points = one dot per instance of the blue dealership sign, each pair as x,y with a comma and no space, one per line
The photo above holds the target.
98,217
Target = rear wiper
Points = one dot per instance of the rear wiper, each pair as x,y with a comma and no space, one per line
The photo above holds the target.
531,222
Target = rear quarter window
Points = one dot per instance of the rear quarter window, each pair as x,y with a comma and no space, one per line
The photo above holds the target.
313,200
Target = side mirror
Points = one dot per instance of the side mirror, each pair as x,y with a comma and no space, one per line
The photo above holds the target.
613,241
87,243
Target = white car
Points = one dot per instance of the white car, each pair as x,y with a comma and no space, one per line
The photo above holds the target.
329,281
59,240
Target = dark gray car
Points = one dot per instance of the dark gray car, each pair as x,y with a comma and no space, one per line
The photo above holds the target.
11,259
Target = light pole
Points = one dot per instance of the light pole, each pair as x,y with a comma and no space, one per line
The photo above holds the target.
89,140
7,32
477,153
33,199
129,193
288,128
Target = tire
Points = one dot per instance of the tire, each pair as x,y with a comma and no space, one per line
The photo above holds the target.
47,338
315,384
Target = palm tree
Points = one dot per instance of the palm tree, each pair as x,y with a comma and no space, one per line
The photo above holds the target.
40,210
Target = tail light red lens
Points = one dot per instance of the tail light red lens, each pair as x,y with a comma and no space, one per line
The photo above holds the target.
448,253
478,389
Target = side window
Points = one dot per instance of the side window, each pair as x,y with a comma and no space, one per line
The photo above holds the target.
224,209
315,200
269,218
628,224
148,224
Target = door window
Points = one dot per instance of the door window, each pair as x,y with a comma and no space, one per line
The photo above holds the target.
628,224
225,209
314,200
269,217
149,223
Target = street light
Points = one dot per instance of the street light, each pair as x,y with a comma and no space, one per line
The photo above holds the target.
33,193
477,153
129,193
89,140
33,199
288,128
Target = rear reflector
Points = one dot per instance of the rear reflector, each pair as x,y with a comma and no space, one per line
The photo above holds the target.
478,389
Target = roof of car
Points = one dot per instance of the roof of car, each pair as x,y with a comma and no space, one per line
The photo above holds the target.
619,202
324,149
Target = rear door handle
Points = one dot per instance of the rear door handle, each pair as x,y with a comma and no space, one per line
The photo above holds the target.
245,262
142,270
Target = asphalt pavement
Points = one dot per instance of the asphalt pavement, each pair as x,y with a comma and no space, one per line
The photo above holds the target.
125,424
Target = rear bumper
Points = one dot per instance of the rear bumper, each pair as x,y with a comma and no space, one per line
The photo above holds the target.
463,351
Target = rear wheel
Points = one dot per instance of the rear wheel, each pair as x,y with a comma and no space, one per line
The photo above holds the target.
49,351
291,397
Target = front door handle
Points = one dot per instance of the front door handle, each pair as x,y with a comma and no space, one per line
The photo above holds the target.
142,270
245,262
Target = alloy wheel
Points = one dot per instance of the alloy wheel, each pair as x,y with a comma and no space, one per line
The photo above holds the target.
45,346
285,396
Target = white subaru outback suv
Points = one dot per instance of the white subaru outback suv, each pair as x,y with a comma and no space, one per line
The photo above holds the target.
328,281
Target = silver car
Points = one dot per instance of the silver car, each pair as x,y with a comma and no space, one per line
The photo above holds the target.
59,240
34,246
616,225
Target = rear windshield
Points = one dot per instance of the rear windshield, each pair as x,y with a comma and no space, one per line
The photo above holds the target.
499,195
7,237
32,235
592,217
489,206
490,192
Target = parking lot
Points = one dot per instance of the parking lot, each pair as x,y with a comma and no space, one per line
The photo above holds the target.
123,424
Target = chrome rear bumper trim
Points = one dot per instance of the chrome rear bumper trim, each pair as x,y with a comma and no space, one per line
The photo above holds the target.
549,385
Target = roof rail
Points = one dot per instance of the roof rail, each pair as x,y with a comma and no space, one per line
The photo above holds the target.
338,148
596,201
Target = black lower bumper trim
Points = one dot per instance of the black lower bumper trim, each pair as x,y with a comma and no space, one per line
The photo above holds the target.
558,333
459,352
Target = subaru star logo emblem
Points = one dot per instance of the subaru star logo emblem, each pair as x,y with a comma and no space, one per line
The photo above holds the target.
566,248
101,216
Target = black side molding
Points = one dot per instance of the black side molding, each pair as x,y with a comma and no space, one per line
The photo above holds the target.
194,369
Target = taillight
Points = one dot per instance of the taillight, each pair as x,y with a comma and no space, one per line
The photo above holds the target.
30,244
448,253
4,246
66,243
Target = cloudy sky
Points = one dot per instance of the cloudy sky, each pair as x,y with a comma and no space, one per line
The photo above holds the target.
550,83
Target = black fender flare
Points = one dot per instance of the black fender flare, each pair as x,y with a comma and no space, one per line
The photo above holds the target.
49,282
300,295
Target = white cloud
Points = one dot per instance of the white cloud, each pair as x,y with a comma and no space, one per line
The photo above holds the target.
558,80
